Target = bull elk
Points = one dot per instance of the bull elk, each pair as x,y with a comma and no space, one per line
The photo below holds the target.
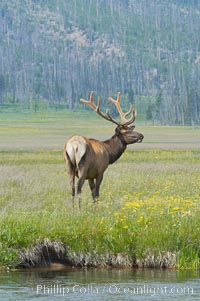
89,158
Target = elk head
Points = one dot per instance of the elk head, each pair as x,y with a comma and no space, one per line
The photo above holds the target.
124,128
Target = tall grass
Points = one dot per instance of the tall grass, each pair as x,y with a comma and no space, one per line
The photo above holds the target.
149,205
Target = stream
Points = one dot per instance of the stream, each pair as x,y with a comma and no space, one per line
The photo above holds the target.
59,283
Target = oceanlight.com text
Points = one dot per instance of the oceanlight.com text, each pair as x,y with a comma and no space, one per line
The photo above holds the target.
113,289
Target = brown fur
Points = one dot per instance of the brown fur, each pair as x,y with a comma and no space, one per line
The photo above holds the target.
89,158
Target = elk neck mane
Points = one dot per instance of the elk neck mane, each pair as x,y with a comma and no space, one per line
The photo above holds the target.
115,146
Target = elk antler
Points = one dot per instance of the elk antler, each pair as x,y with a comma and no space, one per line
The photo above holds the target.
96,108
107,116
123,115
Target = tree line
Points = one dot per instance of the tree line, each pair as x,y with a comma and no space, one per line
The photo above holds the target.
52,52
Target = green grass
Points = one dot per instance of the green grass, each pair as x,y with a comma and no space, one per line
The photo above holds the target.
149,199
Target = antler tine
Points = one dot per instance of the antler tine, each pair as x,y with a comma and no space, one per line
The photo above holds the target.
132,119
123,115
96,108
130,111
90,102
117,103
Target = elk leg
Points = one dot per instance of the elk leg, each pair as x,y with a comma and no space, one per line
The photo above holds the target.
71,175
97,186
92,187
72,184
81,181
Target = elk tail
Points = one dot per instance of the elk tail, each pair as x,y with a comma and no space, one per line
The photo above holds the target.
74,151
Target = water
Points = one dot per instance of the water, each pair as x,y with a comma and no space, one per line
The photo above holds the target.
96,284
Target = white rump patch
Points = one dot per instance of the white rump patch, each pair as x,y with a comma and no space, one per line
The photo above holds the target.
76,148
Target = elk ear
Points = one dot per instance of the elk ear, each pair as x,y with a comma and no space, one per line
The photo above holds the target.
117,130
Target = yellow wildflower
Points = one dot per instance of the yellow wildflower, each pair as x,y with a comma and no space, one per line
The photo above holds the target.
140,219
176,209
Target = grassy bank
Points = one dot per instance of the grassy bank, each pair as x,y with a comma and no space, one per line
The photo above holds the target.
147,215
149,210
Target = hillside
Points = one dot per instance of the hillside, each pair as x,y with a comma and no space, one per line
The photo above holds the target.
52,52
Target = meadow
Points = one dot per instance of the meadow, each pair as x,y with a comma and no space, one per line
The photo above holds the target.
148,214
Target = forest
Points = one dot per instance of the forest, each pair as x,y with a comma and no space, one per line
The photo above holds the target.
52,52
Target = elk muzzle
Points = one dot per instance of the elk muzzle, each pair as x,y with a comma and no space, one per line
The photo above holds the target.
133,137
